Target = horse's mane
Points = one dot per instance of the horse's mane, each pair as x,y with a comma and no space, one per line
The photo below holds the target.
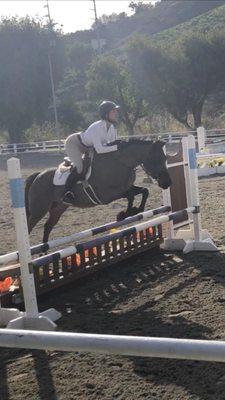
124,143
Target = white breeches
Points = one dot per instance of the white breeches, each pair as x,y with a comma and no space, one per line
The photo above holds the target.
75,150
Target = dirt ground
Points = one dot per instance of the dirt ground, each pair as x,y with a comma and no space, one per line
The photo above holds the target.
165,295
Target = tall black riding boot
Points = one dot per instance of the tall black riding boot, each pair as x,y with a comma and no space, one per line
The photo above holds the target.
72,179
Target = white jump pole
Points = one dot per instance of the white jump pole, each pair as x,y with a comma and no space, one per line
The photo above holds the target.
31,319
185,349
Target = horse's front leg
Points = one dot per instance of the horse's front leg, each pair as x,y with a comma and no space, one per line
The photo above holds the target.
130,195
145,193
124,214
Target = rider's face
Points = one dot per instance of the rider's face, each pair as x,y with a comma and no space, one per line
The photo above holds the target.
113,115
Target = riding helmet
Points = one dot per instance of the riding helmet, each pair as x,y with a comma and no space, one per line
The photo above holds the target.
105,108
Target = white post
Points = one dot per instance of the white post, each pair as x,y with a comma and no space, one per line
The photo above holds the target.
31,319
193,239
17,196
200,241
193,186
167,202
201,137
186,171
14,148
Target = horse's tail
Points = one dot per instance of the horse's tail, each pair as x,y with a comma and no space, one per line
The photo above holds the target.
28,184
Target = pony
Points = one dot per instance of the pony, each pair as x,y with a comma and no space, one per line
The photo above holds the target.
112,178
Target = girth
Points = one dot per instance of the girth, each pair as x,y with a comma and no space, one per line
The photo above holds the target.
90,193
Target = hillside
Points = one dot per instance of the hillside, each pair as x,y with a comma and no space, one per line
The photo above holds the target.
152,20
213,20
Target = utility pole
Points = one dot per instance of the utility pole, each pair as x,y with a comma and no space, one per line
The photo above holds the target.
57,130
97,27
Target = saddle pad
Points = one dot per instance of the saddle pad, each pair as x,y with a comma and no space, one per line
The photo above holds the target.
63,171
61,176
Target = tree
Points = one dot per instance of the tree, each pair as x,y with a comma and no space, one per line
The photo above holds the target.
72,100
139,6
179,80
112,18
204,62
110,79
70,115
69,92
71,86
24,73
79,55
154,71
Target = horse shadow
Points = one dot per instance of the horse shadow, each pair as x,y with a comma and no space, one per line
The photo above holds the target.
42,371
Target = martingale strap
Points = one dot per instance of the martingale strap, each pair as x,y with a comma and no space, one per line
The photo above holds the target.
90,193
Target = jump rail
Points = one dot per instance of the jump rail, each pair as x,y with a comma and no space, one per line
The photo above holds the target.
112,236
44,247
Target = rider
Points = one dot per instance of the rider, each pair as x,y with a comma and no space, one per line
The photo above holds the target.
97,136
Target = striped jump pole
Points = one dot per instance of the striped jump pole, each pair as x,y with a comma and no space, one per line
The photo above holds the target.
31,319
49,258
138,346
44,247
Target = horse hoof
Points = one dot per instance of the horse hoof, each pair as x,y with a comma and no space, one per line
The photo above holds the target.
133,211
122,215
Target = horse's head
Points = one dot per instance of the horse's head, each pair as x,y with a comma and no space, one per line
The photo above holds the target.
155,165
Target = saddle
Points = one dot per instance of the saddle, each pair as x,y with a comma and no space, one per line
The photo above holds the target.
67,165
66,172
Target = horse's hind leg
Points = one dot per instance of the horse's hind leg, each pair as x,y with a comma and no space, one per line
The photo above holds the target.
55,212
36,212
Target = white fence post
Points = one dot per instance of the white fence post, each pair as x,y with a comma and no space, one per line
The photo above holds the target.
201,137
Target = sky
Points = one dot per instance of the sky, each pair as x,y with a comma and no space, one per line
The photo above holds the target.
72,15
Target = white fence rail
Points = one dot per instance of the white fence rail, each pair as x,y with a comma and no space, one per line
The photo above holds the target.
48,145
213,140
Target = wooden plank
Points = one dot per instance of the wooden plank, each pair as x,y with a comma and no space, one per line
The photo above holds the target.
56,269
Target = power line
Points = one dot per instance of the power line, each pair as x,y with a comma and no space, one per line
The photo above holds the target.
97,27
51,25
